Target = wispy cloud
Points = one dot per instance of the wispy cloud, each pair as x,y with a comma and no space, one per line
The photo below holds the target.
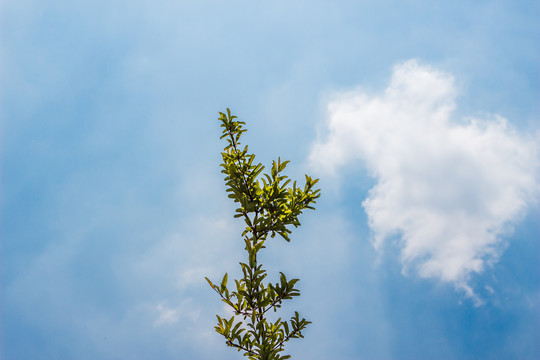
168,315
448,189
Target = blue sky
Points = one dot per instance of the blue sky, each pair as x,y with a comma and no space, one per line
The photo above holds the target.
420,118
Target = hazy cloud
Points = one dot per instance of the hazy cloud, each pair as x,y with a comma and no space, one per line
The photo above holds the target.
448,189
171,315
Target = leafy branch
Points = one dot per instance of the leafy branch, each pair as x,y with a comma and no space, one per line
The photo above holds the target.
268,207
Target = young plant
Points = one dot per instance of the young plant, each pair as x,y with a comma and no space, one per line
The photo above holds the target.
268,207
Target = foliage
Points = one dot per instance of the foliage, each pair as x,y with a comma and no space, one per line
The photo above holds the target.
268,207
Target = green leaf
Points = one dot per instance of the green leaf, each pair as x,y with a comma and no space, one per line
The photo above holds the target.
211,284
224,281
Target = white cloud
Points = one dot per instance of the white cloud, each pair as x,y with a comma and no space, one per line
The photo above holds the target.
167,315
449,190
